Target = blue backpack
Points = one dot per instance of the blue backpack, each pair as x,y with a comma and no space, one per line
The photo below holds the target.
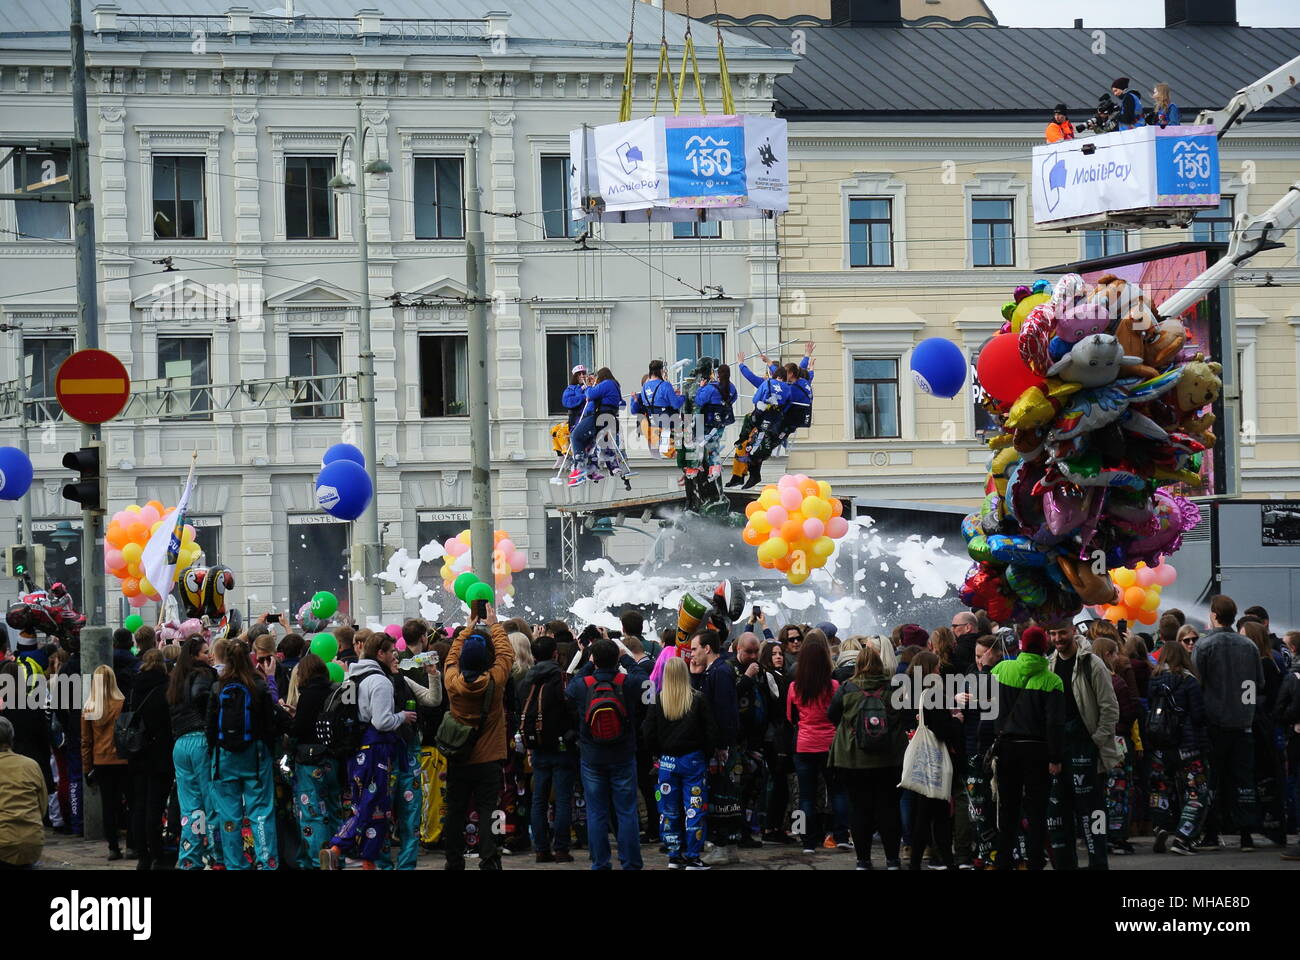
234,717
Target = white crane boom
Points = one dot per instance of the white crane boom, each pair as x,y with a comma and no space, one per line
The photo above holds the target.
1250,98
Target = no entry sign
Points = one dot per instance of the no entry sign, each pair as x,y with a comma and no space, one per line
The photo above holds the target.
92,386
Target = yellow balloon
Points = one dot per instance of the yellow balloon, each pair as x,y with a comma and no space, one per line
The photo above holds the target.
131,553
796,578
146,587
824,489
768,498
133,569
760,523
816,507
817,562
823,547
133,508
463,537
773,549
1024,306
154,527
1123,577
1152,601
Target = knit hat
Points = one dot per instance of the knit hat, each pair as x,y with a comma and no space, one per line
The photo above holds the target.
1060,108
1033,640
474,658
827,628
913,635
1121,82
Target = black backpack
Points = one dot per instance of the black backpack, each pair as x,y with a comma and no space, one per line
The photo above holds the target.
1164,720
130,738
872,732
234,717
544,719
338,725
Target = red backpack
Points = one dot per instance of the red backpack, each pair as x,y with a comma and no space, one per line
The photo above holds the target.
606,715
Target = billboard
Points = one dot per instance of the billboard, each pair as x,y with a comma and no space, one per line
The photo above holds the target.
1130,171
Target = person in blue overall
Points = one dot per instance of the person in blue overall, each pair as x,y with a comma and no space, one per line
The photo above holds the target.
243,721
598,427
765,415
573,399
1129,115
715,411
381,759
796,411
659,403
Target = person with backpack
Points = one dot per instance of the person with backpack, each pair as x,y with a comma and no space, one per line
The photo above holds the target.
548,729
680,730
379,761
1028,749
472,734
144,736
319,807
1177,742
242,723
99,757
867,755
607,701
189,687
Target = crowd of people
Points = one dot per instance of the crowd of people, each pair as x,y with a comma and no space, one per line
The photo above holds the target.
1062,743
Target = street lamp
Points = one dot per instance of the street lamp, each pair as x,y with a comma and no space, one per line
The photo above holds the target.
369,521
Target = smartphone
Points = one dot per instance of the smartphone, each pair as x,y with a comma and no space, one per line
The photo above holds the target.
273,618
479,609
757,612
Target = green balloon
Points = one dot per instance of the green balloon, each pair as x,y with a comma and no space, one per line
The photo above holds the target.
325,646
336,671
463,583
480,591
133,622
323,605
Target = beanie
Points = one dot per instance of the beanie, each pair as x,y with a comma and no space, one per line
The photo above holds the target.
913,635
1060,108
474,656
1121,82
1033,640
827,628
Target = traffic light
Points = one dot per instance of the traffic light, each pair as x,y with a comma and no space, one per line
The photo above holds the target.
26,562
91,491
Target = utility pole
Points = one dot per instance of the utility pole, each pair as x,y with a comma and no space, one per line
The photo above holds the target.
96,647
480,437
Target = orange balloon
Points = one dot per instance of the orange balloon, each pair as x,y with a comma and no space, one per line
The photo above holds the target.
1135,597
752,536
784,563
116,536
1146,617
498,536
1116,612
138,533
837,508
809,488
767,564
130,587
798,517
157,505
751,508
792,530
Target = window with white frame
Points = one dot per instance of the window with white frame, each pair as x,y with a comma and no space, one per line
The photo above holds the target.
557,173
315,363
564,351
309,203
444,375
875,398
692,345
178,201
702,229
1214,226
35,171
871,232
993,231
188,357
1104,243
46,354
438,205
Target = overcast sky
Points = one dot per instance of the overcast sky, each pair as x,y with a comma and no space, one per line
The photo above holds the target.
1130,13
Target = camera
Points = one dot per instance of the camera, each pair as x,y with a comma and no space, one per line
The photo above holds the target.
1103,120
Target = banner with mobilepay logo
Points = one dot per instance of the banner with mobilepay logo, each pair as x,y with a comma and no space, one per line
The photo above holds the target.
1128,172
670,168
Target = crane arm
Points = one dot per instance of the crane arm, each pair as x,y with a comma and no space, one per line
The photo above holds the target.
1250,98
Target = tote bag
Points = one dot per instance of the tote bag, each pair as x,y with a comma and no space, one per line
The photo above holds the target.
927,768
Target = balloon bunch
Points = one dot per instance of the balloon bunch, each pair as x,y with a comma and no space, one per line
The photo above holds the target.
1098,408
326,646
316,612
343,487
1139,590
469,588
507,559
795,524
124,542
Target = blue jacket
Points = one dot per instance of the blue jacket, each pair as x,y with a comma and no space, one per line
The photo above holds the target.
575,395
633,686
768,389
1169,117
718,684
607,393
1130,110
717,412
657,395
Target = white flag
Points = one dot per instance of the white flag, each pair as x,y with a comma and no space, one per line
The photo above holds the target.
163,549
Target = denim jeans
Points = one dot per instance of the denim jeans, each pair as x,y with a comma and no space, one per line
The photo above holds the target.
617,781
807,767
560,769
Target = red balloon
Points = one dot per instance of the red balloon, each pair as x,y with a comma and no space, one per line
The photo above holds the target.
1002,373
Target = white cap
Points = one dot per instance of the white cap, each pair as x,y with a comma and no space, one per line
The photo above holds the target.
580,368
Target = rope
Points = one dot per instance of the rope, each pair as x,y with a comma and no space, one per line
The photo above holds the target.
689,54
625,105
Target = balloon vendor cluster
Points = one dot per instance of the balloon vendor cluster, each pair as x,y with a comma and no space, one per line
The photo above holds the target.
1099,408
507,560
794,524
1139,592
127,535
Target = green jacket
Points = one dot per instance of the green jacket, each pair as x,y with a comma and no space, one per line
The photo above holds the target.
1028,671
843,712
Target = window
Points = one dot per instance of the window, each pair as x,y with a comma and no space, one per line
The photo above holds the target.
438,198
1213,226
706,229
178,198
43,220
188,357
985,423
556,173
308,200
875,398
701,343
871,232
318,560
1104,243
46,355
61,557
444,376
316,357
992,232
564,351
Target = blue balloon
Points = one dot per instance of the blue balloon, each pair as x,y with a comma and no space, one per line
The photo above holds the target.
342,451
343,489
939,367
15,473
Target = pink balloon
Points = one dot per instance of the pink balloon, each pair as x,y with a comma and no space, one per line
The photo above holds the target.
447,545
787,481
401,643
791,498
189,528
1146,577
801,478
120,517
1166,574
506,546
777,515
836,527
113,559
149,516
814,528
518,560
139,600
455,548
394,631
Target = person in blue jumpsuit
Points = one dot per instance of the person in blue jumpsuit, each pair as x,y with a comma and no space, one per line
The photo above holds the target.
796,411
318,798
243,721
714,405
597,427
189,691
762,430
573,399
659,403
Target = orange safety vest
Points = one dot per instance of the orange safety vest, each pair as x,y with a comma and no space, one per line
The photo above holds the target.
1056,132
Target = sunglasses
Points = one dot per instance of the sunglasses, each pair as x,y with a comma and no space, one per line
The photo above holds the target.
265,659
